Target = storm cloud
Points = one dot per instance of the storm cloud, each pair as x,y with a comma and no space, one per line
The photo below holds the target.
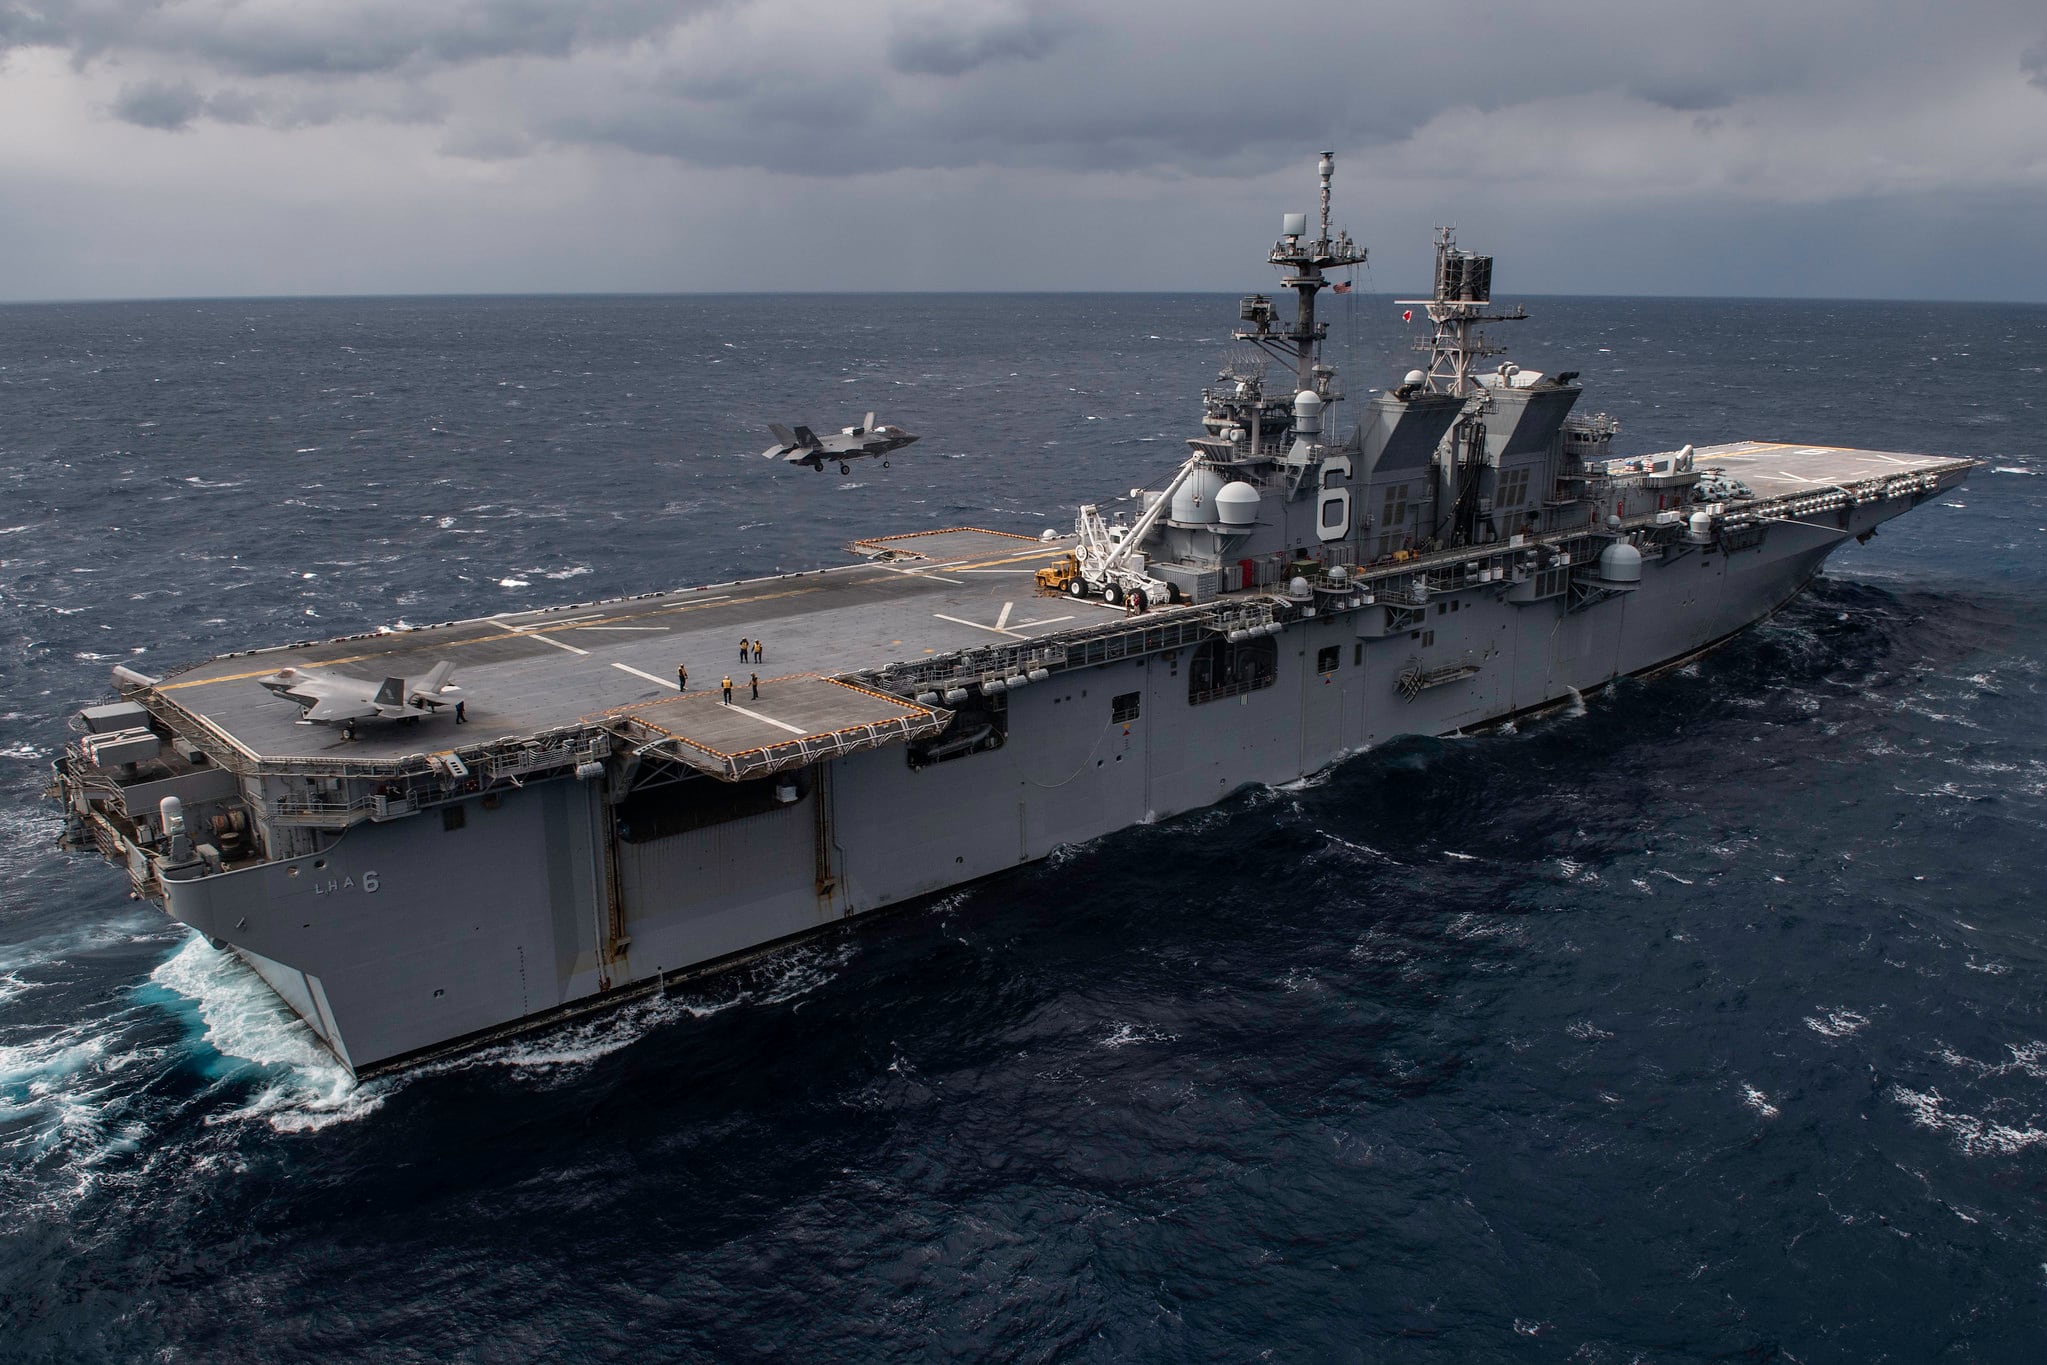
766,108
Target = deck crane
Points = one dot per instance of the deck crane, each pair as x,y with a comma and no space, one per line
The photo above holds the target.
1110,562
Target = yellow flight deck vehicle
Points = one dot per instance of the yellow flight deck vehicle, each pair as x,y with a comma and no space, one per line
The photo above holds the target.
1052,581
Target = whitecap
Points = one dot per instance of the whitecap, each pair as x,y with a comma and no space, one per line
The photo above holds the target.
1973,1135
1836,1023
302,1087
1758,1101
1125,1034
567,1049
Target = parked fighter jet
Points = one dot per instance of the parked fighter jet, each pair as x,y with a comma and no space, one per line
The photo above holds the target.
803,446
333,699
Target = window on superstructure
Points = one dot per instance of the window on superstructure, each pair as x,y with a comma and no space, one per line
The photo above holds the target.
1124,708
1327,660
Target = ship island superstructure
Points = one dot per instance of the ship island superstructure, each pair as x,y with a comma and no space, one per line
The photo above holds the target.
955,701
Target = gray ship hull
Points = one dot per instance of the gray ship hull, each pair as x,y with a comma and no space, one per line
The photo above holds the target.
401,939
963,702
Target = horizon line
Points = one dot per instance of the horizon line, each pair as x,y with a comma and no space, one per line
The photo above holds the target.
566,294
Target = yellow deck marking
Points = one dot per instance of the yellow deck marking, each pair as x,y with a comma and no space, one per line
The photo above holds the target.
528,633
579,623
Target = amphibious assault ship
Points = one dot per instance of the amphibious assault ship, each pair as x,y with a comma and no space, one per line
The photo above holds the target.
952,703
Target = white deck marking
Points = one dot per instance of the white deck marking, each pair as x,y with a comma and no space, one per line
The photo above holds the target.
918,573
548,640
1002,619
1787,474
994,570
628,668
621,627
540,625
995,630
783,724
1046,621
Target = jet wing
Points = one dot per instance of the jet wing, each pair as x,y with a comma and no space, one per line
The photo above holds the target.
330,708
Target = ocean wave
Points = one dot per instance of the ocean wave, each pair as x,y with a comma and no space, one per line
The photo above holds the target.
303,1087
1837,1023
1123,1035
1971,1134
565,1050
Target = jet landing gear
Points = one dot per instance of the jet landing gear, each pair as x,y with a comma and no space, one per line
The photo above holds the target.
845,469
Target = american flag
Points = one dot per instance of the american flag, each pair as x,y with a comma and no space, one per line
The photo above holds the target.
1343,286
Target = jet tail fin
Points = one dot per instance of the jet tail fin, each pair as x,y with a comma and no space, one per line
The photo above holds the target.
436,679
782,433
805,436
427,693
392,693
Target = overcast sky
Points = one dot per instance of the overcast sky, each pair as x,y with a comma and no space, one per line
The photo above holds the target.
1872,148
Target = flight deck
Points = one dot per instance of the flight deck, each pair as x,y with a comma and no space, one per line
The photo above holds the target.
527,673
914,596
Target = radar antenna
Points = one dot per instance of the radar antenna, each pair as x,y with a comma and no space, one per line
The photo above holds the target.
1464,294
1302,261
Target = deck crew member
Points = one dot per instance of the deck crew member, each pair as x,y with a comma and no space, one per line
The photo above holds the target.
461,713
755,680
757,651
681,678
728,689
745,647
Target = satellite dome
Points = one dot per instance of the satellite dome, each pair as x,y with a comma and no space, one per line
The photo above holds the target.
1415,377
1620,562
1237,504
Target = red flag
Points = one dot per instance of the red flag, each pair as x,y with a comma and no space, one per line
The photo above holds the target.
1407,315
1343,286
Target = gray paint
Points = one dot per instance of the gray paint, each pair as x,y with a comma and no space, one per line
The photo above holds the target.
403,904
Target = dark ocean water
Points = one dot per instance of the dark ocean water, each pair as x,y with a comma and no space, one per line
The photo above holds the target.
1705,1022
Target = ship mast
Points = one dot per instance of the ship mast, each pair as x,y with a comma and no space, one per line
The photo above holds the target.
1463,296
1304,260
1462,300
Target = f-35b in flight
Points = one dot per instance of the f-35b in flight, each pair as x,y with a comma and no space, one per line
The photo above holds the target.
804,446
334,699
